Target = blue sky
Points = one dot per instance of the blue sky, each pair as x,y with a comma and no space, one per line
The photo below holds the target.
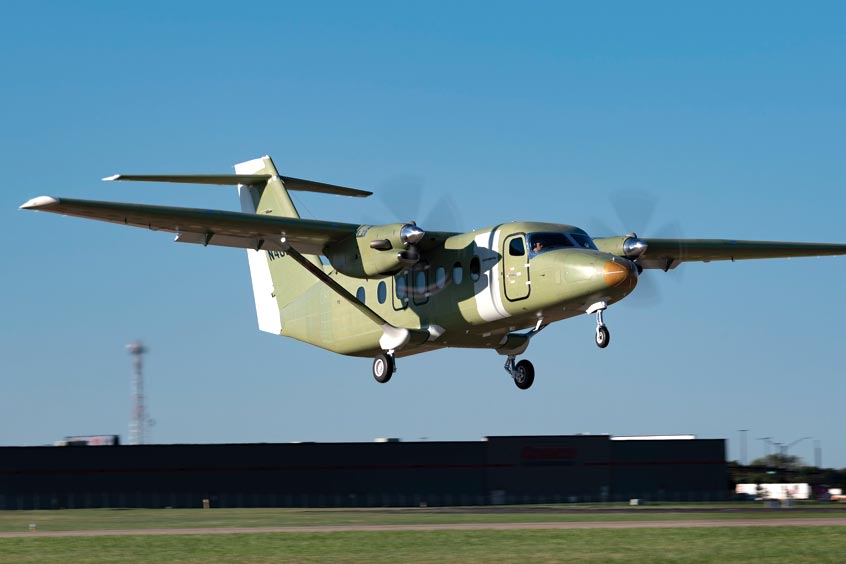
733,117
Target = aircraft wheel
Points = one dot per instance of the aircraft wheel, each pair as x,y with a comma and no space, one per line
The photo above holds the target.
524,374
603,336
383,367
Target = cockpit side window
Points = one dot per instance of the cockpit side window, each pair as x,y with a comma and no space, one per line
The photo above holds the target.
516,248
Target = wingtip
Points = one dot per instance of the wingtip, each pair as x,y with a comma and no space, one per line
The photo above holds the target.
39,202
112,177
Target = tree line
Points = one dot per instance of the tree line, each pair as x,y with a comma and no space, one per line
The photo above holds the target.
786,468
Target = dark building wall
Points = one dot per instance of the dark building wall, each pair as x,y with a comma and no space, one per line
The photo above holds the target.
566,466
498,470
673,470
268,474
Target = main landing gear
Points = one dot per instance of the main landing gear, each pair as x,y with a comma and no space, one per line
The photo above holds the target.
523,372
603,335
384,366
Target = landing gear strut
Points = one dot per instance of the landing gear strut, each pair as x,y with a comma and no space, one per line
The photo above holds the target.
523,372
603,335
383,367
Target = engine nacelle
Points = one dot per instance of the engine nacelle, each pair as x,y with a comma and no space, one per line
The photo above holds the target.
377,250
628,246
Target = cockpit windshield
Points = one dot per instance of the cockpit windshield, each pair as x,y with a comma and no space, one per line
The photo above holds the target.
583,241
542,242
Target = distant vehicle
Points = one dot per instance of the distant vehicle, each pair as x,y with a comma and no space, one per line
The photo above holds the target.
392,290
775,491
90,440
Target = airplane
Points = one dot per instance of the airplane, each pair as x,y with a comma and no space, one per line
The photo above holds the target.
394,290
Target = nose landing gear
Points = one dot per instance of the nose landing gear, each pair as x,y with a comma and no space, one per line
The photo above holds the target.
523,372
603,335
384,366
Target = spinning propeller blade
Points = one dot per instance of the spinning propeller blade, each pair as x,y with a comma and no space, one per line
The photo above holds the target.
634,210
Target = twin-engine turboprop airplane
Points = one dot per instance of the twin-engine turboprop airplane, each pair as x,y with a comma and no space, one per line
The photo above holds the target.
387,291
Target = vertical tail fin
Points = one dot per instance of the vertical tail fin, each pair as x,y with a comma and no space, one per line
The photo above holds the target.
277,279
272,199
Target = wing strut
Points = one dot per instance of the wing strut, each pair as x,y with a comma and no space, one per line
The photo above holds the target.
393,338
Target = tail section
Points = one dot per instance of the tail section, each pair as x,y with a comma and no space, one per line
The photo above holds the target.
271,199
277,279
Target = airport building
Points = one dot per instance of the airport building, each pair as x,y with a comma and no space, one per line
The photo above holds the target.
386,473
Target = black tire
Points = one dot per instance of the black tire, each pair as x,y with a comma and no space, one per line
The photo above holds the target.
524,375
603,336
383,367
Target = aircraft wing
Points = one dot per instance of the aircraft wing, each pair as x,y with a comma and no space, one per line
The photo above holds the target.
206,227
669,253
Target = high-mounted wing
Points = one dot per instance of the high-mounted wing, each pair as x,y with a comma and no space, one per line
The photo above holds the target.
206,227
669,253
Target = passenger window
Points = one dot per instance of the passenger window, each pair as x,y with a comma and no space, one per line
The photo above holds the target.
420,283
382,292
475,269
359,295
457,273
440,277
516,248
402,291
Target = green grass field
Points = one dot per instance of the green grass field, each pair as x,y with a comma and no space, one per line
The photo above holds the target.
793,544
90,519
746,544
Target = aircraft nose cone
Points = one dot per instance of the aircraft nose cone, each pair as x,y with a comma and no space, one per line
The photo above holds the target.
615,273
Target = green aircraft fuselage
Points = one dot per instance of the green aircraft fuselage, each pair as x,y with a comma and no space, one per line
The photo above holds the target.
478,288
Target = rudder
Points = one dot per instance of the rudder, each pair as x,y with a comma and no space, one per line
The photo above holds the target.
277,280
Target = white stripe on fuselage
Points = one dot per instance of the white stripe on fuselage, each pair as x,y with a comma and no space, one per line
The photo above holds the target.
486,288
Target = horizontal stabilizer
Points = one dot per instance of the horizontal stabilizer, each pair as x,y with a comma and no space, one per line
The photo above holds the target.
291,183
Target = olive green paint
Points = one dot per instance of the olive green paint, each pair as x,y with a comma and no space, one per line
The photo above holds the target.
498,295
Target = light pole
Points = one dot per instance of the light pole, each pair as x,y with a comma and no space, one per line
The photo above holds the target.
743,446
767,442
784,448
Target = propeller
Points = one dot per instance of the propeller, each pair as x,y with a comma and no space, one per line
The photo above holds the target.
403,195
636,208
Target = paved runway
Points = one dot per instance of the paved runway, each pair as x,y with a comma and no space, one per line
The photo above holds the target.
785,522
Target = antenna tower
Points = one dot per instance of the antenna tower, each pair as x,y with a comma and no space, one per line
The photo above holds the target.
138,420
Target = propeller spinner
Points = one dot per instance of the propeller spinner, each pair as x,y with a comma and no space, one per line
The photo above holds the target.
410,235
634,247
